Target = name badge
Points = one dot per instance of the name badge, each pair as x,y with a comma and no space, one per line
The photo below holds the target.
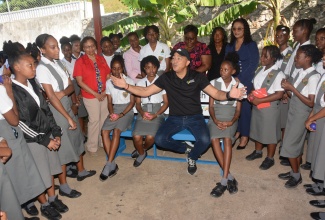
150,107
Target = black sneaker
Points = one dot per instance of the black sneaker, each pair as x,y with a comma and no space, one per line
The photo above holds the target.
292,182
191,169
59,205
218,190
49,212
32,210
232,186
317,215
267,164
308,186
285,176
134,154
306,166
254,156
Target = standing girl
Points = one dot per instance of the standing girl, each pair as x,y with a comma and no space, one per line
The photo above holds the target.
107,49
150,112
265,124
76,49
116,41
120,104
241,42
58,87
154,47
41,132
223,123
302,91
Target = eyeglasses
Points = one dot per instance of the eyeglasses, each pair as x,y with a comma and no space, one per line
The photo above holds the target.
237,29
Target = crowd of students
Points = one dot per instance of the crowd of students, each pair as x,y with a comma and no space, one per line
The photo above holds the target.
45,101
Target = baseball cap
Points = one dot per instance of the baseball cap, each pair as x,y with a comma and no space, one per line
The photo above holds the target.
182,52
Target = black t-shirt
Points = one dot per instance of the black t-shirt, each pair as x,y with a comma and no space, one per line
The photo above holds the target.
183,94
217,58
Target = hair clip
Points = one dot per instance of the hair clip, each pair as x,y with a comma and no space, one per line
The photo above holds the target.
284,32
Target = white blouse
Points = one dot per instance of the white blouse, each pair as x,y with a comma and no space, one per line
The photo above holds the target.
119,95
276,85
155,98
6,102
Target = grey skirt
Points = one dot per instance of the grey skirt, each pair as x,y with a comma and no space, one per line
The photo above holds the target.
82,112
284,107
295,134
223,113
47,162
72,145
146,127
122,123
265,124
8,196
21,167
318,154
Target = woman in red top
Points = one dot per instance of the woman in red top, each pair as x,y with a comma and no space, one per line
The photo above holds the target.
91,72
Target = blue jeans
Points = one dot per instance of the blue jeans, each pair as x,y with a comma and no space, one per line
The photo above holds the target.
174,124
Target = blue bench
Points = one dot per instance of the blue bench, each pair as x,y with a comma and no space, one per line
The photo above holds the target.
184,135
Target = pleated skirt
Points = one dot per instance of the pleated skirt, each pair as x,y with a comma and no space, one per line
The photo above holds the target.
122,123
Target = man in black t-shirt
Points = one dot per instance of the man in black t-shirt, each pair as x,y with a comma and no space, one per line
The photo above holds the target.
183,87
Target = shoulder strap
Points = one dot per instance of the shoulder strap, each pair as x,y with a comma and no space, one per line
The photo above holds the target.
217,85
286,59
304,81
269,79
54,73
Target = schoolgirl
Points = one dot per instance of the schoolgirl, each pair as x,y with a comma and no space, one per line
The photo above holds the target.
40,130
150,112
8,199
116,41
223,123
320,43
302,91
155,48
265,122
33,51
58,87
75,42
282,37
120,104
107,50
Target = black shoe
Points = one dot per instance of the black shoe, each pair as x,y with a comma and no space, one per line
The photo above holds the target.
73,194
285,176
73,174
33,211
254,156
59,205
306,166
191,169
232,186
218,190
317,215
317,203
285,162
32,218
134,154
292,182
90,173
241,147
308,186
267,164
137,163
112,173
49,212
311,191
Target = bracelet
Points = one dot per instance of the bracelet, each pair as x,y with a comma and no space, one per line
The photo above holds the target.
127,86
122,114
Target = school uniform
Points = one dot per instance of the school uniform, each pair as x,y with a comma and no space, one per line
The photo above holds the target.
224,111
21,167
38,125
82,112
305,81
319,67
120,100
161,51
149,127
8,196
316,142
265,122
72,146
282,64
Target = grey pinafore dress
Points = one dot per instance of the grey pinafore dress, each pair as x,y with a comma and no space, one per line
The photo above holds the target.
72,140
223,113
146,127
21,167
317,144
294,137
82,112
284,107
8,197
265,122
122,123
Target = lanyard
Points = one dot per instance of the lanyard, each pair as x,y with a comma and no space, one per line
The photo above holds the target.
149,97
